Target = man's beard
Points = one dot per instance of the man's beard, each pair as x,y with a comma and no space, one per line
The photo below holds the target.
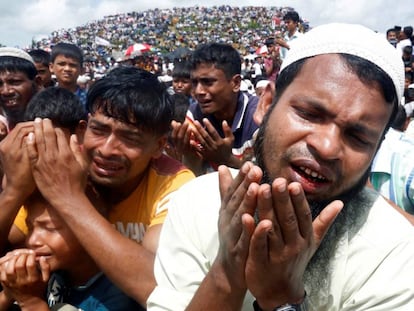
320,271
316,206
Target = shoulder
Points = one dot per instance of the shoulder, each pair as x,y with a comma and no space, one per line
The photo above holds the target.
167,166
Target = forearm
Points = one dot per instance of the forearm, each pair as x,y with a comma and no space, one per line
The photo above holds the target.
125,262
5,302
234,162
195,164
34,304
217,292
10,202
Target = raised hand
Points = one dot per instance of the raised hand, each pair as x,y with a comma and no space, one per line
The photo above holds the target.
283,243
58,166
24,278
236,222
15,162
212,146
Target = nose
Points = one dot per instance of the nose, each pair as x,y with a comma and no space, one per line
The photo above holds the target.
326,142
5,88
198,88
110,146
34,239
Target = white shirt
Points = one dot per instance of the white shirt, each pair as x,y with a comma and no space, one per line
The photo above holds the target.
373,267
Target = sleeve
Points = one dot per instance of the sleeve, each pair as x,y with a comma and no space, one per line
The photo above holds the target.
20,220
389,286
171,185
188,245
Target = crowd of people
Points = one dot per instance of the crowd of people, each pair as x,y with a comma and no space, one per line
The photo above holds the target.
279,177
166,30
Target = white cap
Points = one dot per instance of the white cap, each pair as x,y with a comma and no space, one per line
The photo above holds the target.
351,39
262,83
15,52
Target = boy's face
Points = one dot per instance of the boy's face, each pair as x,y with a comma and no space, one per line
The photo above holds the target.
66,70
182,85
119,153
50,237
44,73
291,25
214,91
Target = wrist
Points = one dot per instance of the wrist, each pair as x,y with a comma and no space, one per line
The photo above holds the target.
279,305
297,306
234,161
33,304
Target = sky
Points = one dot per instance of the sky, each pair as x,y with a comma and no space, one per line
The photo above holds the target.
22,20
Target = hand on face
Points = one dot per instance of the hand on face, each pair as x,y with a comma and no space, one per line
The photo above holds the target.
15,161
22,276
58,167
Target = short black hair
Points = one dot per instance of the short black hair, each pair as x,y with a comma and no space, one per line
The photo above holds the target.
270,41
182,69
133,96
181,103
291,15
408,30
17,64
222,56
59,105
400,118
68,50
40,56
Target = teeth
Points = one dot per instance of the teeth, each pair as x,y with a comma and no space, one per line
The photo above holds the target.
309,172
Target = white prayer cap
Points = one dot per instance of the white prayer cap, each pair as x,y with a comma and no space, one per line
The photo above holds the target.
15,52
262,83
351,39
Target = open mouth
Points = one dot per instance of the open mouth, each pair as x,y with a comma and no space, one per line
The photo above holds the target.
10,102
107,169
310,178
312,175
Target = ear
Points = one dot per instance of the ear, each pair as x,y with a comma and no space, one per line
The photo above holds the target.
264,103
236,82
80,131
159,147
51,67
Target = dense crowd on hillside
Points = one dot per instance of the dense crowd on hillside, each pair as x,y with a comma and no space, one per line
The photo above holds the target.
165,30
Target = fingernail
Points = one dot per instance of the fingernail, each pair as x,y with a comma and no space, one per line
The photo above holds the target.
30,137
267,193
295,190
38,120
281,187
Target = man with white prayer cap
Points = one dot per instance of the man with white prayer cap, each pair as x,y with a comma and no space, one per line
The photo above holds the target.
18,83
298,230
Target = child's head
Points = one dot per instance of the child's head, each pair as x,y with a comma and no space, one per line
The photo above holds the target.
49,236
59,105
181,77
66,63
41,59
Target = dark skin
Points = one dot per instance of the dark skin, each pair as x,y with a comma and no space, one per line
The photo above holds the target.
237,266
